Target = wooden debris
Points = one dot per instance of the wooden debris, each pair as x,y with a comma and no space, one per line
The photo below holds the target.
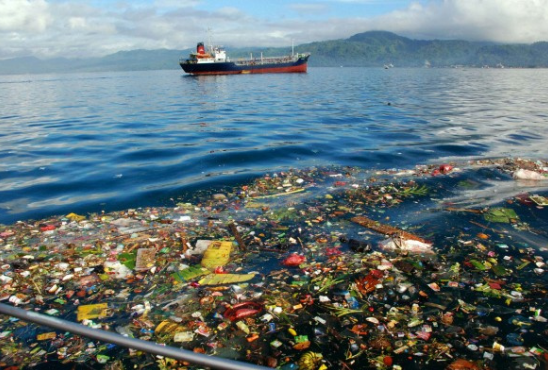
234,231
384,229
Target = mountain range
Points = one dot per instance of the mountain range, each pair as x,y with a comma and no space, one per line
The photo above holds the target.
367,49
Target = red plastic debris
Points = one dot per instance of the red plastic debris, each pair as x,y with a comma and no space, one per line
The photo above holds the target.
333,251
442,170
220,270
446,168
377,274
47,228
293,260
242,310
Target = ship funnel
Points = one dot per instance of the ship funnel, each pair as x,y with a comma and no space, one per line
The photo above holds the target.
200,49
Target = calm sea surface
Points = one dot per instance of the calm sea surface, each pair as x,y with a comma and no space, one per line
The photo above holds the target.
106,141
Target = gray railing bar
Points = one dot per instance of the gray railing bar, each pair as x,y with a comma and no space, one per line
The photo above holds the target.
138,344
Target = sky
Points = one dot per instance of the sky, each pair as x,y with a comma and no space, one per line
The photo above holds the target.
93,28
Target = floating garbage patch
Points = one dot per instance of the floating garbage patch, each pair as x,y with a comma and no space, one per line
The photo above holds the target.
436,267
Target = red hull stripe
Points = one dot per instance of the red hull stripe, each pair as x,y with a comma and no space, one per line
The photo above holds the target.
291,69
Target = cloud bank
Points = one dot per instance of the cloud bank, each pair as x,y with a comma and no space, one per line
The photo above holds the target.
72,28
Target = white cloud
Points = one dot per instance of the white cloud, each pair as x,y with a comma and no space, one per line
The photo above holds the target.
307,9
176,3
74,28
24,15
509,21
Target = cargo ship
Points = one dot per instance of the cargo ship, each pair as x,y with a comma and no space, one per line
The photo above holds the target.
216,62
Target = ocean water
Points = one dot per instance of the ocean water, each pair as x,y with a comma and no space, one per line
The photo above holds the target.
87,143
107,141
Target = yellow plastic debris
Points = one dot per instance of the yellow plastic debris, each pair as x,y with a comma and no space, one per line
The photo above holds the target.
217,254
75,217
92,311
168,327
222,279
539,200
46,336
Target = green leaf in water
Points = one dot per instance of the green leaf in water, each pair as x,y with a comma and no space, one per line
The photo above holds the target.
421,190
505,215
127,259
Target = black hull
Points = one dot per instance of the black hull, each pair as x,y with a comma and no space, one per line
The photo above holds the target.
232,68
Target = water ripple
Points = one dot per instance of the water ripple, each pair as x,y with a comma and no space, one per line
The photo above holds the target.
108,140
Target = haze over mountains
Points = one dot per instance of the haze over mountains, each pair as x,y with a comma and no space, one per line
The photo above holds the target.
368,49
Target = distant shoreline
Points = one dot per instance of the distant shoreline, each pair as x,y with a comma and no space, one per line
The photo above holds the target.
368,49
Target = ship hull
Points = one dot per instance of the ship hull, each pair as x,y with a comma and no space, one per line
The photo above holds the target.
227,68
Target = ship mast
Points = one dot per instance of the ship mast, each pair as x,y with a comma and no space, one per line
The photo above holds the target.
209,40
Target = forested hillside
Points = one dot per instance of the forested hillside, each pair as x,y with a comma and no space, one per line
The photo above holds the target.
368,49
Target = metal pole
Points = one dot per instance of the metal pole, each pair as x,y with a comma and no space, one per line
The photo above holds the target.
143,345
